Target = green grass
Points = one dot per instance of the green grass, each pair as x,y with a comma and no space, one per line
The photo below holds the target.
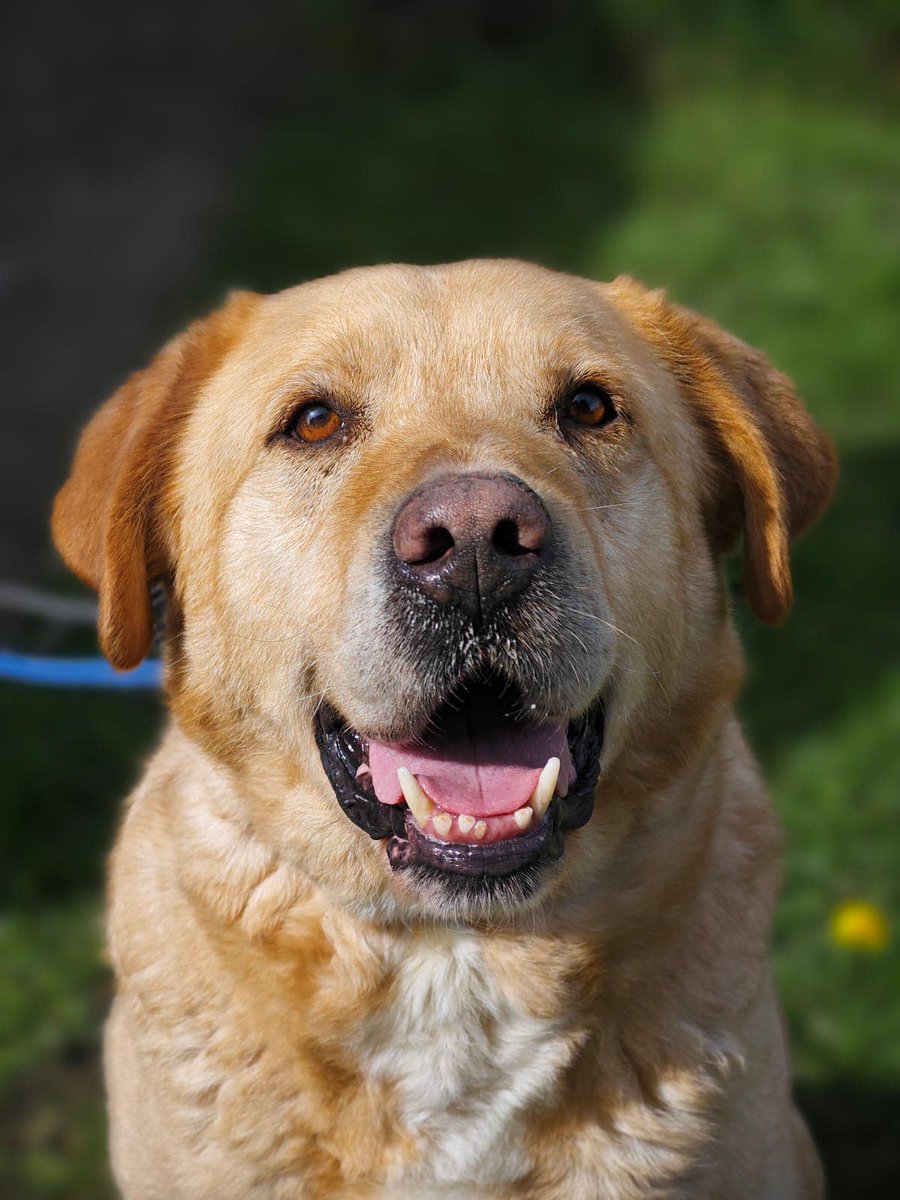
760,188
52,997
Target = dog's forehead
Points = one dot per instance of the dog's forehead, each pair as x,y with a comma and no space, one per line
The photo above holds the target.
397,327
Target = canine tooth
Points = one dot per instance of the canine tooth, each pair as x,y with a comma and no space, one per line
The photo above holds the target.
419,804
465,823
442,823
546,786
480,829
522,817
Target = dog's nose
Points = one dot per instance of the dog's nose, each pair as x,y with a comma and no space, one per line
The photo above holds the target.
472,541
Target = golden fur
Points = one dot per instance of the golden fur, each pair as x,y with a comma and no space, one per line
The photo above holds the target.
294,1020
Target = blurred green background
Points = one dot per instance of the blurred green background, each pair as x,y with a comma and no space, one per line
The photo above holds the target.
744,154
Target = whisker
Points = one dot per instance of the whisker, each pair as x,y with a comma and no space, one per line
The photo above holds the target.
593,617
265,641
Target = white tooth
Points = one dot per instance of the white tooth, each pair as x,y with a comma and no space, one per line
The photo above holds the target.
546,786
442,823
465,823
480,829
419,804
522,817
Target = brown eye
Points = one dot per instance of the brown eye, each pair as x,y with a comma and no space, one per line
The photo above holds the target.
591,406
315,422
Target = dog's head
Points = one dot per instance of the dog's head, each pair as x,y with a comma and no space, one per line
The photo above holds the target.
443,550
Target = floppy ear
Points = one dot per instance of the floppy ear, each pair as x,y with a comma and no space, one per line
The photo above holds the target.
773,470
109,522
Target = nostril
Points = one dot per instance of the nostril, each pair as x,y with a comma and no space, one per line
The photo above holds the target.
506,539
433,543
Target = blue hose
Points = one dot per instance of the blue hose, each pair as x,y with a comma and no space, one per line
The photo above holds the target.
77,672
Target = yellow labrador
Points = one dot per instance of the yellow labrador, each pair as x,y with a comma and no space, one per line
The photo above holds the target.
453,874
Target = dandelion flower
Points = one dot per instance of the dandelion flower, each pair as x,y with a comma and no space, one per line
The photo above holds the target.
859,925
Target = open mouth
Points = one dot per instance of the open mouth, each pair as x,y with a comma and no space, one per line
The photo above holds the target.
485,791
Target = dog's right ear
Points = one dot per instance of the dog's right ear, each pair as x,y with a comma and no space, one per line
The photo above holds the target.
109,521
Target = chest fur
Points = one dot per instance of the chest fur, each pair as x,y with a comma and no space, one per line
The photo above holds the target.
466,1064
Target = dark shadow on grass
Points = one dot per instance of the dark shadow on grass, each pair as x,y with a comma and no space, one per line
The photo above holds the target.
53,1122
855,1127
69,759
409,142
844,632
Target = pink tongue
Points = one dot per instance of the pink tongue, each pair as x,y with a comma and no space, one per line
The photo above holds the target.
483,772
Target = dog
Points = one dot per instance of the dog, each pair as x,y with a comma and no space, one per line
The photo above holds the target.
453,874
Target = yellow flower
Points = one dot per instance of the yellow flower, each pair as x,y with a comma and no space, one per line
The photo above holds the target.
859,925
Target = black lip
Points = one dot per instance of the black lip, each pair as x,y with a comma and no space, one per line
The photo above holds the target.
342,749
497,858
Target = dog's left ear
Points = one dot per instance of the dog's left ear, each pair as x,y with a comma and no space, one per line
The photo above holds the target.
109,520
773,470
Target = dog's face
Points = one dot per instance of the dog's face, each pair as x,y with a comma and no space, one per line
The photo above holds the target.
442,546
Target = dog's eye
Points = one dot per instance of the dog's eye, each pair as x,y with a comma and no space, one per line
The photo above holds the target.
589,405
315,422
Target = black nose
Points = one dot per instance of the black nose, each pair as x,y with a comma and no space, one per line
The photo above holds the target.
472,541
